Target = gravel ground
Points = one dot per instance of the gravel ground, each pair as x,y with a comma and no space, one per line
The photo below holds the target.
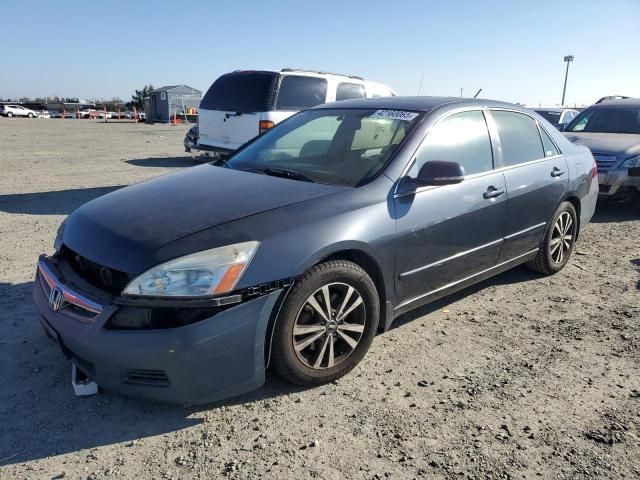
521,376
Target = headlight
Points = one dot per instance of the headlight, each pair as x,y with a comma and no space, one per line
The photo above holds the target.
632,162
211,272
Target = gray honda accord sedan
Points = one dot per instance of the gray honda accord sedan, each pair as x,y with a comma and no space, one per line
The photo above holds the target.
293,252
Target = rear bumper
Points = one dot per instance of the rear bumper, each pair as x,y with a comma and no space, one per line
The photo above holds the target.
614,180
215,358
212,150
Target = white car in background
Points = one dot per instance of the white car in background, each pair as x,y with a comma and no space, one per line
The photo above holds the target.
242,104
17,111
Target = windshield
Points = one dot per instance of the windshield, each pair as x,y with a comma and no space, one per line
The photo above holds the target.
550,116
607,120
335,146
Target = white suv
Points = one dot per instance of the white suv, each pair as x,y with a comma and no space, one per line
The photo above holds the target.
17,111
243,104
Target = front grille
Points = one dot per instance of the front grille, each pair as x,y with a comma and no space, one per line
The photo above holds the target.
150,378
605,162
104,278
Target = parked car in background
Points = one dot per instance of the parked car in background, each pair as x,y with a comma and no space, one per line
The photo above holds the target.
611,129
243,104
557,116
191,138
612,97
294,250
86,113
17,111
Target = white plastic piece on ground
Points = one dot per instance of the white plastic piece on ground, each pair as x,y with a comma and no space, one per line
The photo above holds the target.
82,385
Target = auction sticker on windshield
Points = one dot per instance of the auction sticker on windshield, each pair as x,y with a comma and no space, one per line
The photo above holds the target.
395,115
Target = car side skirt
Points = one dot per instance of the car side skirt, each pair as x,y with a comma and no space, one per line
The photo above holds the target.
450,288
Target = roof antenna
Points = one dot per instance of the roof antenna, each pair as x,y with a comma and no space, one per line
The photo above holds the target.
420,85
477,93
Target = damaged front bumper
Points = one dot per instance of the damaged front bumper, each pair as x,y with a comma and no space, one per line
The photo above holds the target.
202,362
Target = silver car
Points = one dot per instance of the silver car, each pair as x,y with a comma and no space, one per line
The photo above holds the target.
612,131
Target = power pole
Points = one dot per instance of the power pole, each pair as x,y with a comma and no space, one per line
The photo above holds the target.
568,59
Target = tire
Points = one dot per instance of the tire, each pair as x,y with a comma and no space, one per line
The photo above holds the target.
30,115
554,252
338,355
10,114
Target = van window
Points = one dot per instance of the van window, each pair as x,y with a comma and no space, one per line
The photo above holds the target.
347,91
519,137
462,138
243,92
299,93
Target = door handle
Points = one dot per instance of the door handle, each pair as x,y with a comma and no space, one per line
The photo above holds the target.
556,172
493,192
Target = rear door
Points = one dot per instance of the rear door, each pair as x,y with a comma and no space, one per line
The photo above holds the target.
230,111
536,176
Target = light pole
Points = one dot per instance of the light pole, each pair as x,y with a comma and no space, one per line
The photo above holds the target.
568,59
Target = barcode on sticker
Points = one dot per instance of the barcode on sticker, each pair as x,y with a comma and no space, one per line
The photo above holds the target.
395,115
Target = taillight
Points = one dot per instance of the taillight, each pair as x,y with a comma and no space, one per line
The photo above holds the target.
594,173
265,125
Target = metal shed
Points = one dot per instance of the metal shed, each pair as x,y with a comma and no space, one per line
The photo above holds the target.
166,101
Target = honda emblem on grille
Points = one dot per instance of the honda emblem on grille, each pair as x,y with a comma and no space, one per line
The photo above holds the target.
56,299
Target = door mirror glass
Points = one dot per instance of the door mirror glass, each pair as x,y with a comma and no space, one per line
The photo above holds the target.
436,173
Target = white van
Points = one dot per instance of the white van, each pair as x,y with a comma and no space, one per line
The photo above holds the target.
243,104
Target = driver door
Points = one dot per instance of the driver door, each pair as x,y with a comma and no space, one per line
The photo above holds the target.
451,232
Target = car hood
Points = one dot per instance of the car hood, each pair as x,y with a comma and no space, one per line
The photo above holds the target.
622,145
123,229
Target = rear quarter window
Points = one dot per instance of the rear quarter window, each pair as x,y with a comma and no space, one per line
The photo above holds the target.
299,93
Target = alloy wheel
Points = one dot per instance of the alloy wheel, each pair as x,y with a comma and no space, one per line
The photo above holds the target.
561,237
329,326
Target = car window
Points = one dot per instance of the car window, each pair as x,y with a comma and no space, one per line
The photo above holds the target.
607,120
462,138
298,93
335,146
519,137
243,92
549,147
347,91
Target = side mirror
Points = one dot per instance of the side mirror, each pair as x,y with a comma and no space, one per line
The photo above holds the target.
440,173
561,126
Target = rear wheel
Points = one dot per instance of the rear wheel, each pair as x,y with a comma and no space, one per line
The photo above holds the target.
559,241
10,114
326,324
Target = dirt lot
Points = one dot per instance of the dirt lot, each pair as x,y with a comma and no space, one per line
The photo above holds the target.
521,376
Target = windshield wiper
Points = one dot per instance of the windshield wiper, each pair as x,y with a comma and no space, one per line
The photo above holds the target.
282,172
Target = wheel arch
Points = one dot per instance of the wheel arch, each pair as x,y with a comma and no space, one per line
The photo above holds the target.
351,253
574,200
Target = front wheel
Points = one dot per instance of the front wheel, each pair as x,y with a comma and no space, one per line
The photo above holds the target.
30,115
559,241
326,324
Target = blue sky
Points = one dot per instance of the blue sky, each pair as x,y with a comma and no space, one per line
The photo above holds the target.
512,49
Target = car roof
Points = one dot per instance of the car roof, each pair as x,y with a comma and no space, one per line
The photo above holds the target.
421,104
626,102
